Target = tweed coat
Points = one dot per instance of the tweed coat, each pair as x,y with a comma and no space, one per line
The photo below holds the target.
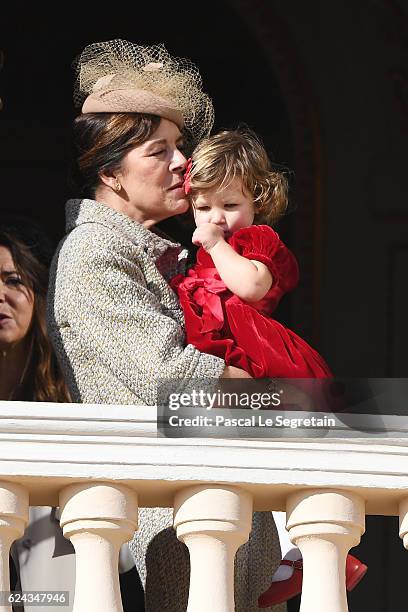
115,323
117,328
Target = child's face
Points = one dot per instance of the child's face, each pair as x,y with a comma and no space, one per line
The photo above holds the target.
230,209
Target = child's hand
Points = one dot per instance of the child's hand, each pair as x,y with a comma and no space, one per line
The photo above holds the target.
207,235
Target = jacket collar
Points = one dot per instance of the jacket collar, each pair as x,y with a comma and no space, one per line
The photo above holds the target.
79,212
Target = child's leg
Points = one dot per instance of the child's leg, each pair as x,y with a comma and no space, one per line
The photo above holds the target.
289,550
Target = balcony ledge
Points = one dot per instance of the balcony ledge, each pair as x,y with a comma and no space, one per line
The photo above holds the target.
47,446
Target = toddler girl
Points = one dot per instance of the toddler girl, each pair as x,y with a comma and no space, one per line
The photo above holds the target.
242,271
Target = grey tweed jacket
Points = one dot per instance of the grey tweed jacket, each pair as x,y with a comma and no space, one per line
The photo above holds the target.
117,328
115,323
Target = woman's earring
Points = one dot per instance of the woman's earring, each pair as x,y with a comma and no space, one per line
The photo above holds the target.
117,186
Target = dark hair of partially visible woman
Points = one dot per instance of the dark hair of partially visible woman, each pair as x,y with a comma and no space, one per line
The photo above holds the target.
100,141
41,380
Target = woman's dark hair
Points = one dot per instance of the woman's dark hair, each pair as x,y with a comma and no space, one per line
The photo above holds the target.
100,141
42,380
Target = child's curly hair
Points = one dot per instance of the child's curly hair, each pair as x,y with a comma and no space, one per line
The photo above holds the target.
221,158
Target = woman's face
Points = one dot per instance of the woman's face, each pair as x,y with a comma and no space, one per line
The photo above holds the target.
151,176
16,303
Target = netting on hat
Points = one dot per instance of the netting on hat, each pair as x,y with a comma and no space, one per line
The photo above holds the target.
117,65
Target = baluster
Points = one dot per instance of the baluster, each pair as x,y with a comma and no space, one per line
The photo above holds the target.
213,521
98,519
403,521
324,524
13,520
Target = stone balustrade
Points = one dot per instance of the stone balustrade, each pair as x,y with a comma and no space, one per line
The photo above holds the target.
100,463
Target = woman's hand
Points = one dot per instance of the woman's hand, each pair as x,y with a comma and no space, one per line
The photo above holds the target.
233,372
208,235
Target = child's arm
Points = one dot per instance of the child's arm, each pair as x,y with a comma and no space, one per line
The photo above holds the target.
249,280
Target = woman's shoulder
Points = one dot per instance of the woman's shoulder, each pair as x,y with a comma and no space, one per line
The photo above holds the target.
91,241
91,251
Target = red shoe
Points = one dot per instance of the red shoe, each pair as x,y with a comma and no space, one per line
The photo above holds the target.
355,570
282,590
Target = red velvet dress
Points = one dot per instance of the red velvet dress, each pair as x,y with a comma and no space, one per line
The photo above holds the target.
245,335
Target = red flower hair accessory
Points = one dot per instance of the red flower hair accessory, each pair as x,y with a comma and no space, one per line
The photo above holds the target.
187,176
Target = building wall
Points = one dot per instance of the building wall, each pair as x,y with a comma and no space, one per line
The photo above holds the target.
354,58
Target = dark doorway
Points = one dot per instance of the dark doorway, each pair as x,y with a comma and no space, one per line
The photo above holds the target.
36,85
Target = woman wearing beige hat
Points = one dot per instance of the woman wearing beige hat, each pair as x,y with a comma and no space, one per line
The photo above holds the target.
115,323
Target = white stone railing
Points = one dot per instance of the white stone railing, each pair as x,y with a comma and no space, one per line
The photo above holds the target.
100,463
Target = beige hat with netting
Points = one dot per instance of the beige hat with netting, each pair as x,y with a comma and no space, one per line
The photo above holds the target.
121,77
